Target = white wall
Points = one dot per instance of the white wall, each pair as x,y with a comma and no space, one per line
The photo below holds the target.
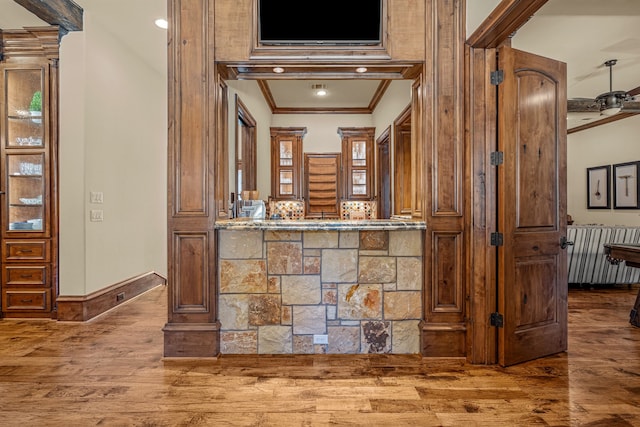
615,142
477,12
113,139
71,151
322,129
395,100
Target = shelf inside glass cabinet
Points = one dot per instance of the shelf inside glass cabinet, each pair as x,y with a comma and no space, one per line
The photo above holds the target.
25,190
24,108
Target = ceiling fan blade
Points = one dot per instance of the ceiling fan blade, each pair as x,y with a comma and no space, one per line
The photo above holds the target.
631,106
634,91
590,106
582,105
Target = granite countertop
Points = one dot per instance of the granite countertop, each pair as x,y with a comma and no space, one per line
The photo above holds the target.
321,224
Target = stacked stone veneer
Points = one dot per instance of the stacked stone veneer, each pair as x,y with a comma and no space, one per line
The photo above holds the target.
363,289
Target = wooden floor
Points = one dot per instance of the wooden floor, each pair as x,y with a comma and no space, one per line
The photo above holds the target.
110,372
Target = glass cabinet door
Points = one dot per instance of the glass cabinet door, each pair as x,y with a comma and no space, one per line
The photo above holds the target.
25,191
359,168
358,161
286,167
24,127
286,163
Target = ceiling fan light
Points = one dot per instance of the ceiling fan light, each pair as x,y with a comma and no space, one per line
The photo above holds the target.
610,111
611,104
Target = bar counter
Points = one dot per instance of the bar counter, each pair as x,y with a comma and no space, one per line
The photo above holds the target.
320,224
320,286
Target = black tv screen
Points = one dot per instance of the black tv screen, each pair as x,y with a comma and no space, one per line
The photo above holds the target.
319,22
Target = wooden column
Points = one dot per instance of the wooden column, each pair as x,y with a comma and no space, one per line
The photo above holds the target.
192,329
443,329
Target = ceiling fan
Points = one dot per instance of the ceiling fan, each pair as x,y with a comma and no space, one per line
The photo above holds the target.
608,103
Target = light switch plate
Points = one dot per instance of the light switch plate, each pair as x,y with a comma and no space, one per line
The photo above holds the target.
96,215
96,197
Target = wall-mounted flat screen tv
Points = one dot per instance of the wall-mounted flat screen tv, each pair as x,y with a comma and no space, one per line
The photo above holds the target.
320,22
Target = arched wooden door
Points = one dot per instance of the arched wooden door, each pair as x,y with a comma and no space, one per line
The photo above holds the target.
532,262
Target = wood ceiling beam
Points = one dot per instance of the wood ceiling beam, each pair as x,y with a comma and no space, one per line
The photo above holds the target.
66,14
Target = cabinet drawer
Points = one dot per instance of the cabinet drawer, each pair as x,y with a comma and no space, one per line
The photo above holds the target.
25,275
27,300
23,250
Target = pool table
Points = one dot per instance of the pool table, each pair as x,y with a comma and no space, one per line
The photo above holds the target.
629,253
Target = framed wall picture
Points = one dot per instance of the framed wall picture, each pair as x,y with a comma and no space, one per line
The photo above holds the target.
626,186
598,184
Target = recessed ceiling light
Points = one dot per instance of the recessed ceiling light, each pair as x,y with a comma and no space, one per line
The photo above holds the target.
162,23
319,89
361,70
278,70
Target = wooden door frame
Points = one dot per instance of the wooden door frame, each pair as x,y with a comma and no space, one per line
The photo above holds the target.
481,140
249,141
403,118
383,141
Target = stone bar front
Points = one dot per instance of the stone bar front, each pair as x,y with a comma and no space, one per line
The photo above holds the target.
320,286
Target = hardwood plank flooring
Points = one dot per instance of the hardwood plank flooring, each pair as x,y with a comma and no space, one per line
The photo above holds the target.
110,372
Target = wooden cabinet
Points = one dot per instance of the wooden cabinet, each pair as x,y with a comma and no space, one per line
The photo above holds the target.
286,163
357,158
28,182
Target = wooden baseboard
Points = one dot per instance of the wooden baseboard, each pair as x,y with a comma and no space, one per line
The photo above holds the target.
443,340
194,340
83,308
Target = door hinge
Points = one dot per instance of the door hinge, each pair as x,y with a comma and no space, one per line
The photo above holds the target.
497,77
497,239
497,320
497,158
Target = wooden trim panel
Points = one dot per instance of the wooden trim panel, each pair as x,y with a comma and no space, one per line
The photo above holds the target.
86,307
440,171
191,278
375,99
30,42
189,100
446,281
379,93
